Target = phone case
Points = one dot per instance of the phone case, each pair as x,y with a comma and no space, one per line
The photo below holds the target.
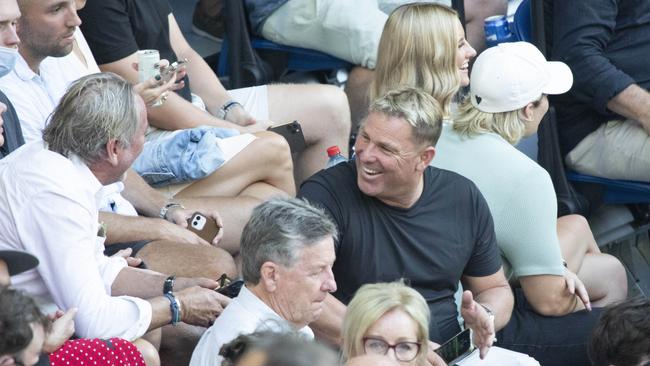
292,132
232,289
204,227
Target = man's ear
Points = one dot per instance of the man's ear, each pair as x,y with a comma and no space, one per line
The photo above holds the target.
269,275
112,151
426,156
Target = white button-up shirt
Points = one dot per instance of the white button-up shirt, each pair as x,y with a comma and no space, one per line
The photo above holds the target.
34,96
245,314
48,207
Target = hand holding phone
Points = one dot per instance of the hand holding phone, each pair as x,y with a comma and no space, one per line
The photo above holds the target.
169,71
456,348
292,132
205,227
228,287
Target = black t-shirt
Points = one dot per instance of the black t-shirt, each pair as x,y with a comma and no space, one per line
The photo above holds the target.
116,29
447,233
13,135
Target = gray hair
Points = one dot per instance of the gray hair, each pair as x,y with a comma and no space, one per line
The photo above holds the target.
94,110
421,110
277,230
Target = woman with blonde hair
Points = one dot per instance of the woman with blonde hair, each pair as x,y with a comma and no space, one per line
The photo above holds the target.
387,319
548,257
423,45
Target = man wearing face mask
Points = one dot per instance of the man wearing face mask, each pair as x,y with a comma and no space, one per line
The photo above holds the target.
10,131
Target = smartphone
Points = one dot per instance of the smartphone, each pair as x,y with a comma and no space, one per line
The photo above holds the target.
232,289
204,227
292,132
168,71
457,348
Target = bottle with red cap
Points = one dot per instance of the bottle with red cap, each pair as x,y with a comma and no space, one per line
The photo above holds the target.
335,156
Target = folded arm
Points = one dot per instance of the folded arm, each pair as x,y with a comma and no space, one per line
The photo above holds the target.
550,295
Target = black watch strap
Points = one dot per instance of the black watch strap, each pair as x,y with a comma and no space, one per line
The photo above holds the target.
168,286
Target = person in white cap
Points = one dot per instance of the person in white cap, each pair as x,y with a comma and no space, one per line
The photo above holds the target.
543,254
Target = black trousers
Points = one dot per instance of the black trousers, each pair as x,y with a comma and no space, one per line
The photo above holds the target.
553,341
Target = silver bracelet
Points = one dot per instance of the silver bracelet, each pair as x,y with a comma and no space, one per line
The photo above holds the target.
163,211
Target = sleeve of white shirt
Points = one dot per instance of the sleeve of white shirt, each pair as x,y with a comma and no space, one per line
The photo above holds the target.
59,232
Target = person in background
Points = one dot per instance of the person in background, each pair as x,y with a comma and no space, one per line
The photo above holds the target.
622,336
423,46
95,134
387,319
548,322
322,110
276,348
335,28
17,315
287,255
604,120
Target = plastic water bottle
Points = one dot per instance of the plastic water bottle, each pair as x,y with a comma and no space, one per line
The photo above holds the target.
335,156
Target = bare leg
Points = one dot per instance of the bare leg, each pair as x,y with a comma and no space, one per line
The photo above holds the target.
603,275
266,160
475,13
148,351
178,343
324,114
357,91
186,260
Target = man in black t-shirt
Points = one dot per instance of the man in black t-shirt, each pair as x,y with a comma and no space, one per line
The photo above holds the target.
399,218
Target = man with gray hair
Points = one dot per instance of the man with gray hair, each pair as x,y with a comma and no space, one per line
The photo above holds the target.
48,207
287,250
399,218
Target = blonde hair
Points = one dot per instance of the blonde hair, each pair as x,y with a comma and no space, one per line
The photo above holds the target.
419,109
418,48
470,121
371,302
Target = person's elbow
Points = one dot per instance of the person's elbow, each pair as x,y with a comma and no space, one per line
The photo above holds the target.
553,304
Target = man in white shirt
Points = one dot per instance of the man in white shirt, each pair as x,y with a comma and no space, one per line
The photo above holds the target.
287,251
158,236
48,207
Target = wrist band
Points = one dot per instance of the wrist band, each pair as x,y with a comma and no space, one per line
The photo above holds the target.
175,308
227,106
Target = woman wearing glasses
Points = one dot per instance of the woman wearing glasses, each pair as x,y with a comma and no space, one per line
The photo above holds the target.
388,319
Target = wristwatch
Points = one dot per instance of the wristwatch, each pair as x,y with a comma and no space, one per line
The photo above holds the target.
167,207
168,286
174,307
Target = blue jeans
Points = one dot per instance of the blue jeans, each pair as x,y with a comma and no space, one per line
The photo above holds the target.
553,341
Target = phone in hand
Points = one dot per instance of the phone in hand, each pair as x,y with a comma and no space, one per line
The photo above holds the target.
228,287
168,71
292,132
457,348
205,227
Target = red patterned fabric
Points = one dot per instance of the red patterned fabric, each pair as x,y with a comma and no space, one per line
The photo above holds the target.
90,352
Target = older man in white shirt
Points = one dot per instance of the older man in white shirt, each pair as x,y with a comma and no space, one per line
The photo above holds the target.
48,207
288,251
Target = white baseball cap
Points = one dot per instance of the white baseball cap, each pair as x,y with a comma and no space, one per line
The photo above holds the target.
508,76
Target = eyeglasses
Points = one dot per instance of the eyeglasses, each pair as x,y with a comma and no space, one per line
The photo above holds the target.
404,351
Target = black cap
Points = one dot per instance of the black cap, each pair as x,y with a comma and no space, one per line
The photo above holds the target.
17,261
